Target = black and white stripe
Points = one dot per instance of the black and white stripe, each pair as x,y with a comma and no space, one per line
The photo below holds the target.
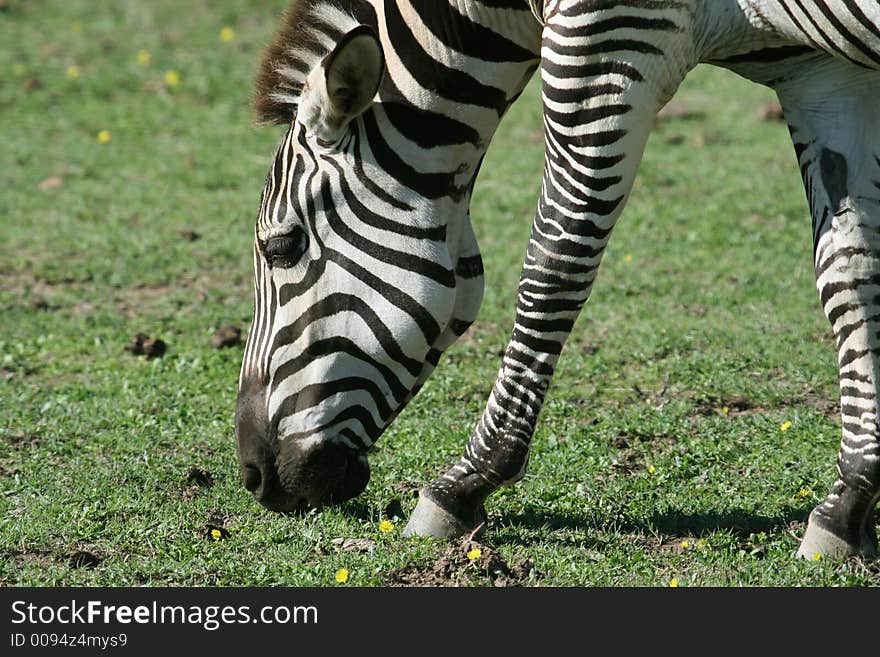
366,265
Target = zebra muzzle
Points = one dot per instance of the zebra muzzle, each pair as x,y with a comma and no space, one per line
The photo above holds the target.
293,473
321,473
300,478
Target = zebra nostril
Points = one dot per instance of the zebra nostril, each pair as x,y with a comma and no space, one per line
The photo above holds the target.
252,477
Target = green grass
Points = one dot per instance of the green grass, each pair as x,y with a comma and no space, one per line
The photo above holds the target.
706,300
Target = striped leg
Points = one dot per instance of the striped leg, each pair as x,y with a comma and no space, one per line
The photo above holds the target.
604,77
832,110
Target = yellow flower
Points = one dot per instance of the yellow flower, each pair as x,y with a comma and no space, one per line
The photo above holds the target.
804,493
702,543
651,469
785,426
172,78
103,136
386,526
144,58
73,72
725,410
342,575
817,556
474,554
216,534
673,583
685,545
227,34
627,258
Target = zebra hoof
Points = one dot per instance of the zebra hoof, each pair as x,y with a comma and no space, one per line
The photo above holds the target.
820,542
431,520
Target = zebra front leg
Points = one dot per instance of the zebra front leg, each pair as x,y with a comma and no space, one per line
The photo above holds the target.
832,111
599,106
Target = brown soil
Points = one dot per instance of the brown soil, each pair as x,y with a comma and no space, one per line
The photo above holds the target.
735,404
227,336
196,480
214,528
52,182
741,405
22,440
406,487
828,406
45,559
23,559
628,461
143,345
83,559
129,302
214,532
633,454
454,568
199,477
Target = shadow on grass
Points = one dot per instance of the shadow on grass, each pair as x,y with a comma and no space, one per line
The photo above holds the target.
517,528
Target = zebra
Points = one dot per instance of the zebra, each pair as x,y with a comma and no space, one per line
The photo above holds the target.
367,267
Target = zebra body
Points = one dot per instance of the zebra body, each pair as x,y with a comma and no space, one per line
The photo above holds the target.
367,268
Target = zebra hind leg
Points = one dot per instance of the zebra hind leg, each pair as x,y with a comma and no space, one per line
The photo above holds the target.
831,111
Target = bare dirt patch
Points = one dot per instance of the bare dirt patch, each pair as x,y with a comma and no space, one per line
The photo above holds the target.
199,477
44,559
84,297
466,563
188,234
827,406
730,405
214,528
214,532
635,449
196,480
628,461
406,488
697,310
20,560
741,405
83,559
226,336
22,440
52,182
143,345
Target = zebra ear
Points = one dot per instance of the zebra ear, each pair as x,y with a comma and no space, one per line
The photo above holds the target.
343,84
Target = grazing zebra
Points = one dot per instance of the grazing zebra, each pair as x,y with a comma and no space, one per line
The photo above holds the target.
366,264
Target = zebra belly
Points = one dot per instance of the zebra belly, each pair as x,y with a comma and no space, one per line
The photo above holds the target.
848,29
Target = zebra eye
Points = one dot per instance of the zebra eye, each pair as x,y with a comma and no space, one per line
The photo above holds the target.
285,250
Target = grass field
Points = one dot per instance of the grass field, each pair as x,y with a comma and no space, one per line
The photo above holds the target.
129,180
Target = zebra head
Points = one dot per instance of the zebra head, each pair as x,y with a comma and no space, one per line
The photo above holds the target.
360,282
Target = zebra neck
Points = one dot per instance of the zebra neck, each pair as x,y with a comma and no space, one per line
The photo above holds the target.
453,69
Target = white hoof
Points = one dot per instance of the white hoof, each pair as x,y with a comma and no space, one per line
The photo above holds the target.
820,541
430,520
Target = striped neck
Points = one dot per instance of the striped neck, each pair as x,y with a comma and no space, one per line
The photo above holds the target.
442,101
453,67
